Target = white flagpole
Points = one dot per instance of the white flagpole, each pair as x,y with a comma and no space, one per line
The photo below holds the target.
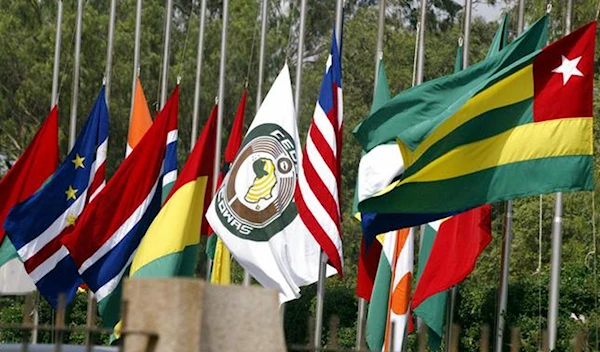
75,91
165,63
507,240
196,113
221,94
261,68
136,52
57,44
557,241
109,49
299,59
362,303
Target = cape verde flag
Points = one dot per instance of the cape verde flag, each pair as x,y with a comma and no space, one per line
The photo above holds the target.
110,229
37,225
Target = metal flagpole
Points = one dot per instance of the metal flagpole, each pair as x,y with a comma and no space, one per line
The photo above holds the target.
299,61
362,303
323,257
557,240
221,94
421,45
261,68
136,52
196,113
57,44
454,290
165,63
75,92
507,240
109,49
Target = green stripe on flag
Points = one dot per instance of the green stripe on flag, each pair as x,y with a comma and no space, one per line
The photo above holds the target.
7,251
378,309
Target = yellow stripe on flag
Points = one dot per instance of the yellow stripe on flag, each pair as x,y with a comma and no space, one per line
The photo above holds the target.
175,227
221,270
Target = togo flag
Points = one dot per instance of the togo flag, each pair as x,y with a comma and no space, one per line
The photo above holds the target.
253,211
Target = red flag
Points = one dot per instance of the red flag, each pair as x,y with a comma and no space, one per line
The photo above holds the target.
458,243
233,146
32,169
368,261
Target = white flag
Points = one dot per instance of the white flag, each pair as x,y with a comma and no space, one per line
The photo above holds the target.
14,279
254,211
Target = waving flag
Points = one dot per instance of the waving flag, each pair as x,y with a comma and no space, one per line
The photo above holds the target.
110,229
257,219
32,169
317,190
141,120
37,225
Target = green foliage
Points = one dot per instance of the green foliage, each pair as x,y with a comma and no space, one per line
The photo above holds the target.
26,62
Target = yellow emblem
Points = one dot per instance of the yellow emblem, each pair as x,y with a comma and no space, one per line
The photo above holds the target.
265,181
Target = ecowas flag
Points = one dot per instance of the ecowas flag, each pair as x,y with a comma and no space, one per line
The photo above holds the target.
253,211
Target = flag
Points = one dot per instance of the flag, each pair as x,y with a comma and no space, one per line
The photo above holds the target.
141,120
499,41
170,246
373,176
253,211
457,245
413,114
221,267
391,293
14,279
111,228
529,132
319,176
37,225
30,171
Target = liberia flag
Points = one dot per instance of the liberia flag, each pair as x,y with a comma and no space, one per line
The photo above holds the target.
37,225
317,190
110,229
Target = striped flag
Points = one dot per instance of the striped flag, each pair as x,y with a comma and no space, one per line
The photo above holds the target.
141,120
317,190
37,225
110,229
388,315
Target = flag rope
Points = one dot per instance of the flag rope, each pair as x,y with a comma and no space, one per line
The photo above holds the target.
187,34
539,270
252,46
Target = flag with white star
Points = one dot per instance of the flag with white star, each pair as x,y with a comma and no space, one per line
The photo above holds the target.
37,225
527,130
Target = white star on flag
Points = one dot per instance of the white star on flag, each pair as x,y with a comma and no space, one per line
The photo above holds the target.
568,68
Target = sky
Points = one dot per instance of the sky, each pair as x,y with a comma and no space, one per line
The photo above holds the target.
490,13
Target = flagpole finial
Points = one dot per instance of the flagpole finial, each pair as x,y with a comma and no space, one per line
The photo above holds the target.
460,41
103,80
178,80
548,8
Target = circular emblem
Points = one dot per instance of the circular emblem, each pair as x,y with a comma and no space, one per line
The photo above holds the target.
256,200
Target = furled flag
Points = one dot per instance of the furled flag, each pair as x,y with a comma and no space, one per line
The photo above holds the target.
110,229
253,211
457,245
319,176
37,225
221,267
390,302
377,169
170,246
141,120
498,43
542,143
27,175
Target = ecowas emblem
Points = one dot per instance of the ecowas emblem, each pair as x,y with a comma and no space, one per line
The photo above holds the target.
256,202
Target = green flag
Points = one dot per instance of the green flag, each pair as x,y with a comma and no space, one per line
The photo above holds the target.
500,38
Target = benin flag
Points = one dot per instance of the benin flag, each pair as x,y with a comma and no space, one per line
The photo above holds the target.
141,119
527,132
389,308
170,246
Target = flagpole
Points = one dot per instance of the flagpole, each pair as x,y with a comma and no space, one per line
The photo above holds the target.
136,52
299,59
165,63
57,44
221,102
75,91
109,49
454,290
362,303
261,68
196,113
507,240
557,240
421,43
323,257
